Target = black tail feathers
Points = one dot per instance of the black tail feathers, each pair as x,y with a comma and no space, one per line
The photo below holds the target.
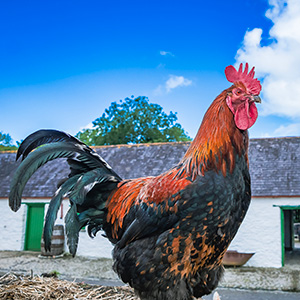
90,182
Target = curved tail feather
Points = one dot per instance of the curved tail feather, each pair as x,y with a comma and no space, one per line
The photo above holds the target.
53,208
90,182
72,229
42,137
48,136
34,161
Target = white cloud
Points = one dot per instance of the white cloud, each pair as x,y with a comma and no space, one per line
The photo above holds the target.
172,83
288,130
292,129
278,63
176,81
166,53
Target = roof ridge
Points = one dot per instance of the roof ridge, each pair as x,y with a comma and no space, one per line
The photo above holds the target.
8,151
275,138
139,145
166,143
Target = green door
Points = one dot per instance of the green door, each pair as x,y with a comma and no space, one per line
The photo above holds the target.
287,230
34,226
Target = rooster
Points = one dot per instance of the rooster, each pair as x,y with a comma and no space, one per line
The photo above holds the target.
169,232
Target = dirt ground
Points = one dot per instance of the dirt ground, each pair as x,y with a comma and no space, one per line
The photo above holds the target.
99,272
20,287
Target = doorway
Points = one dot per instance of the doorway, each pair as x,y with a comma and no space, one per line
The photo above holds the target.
34,226
290,234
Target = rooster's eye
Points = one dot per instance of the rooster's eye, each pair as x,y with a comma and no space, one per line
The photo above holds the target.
238,92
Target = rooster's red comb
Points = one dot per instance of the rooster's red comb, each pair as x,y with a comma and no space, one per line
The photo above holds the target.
252,85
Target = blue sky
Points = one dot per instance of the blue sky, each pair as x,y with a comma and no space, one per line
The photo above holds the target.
63,62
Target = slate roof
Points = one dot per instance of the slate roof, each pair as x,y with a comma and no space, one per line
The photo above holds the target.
274,166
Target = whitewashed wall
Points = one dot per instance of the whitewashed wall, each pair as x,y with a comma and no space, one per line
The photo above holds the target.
12,227
12,231
261,232
96,247
12,224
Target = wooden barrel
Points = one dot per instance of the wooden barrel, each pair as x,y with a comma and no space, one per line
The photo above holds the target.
57,242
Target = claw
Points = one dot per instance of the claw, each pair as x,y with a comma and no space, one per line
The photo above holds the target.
216,296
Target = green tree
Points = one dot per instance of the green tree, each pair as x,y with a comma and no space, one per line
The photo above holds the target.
134,121
6,142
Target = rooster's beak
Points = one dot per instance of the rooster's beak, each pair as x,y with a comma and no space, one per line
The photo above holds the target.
256,99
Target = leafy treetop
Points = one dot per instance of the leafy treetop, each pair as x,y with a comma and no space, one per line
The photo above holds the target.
6,142
134,121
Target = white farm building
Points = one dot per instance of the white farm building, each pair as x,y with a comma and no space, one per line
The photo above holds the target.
267,230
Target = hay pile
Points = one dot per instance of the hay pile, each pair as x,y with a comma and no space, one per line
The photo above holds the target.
14,286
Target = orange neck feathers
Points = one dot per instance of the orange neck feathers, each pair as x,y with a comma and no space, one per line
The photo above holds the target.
217,142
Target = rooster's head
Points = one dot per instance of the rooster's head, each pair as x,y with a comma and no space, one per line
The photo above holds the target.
243,94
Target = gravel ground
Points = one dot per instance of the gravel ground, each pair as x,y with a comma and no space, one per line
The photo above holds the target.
238,294
236,282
